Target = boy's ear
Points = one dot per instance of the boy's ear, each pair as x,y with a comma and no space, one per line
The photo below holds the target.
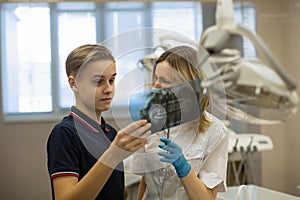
72,83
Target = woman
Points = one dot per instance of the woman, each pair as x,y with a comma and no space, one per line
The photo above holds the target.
197,150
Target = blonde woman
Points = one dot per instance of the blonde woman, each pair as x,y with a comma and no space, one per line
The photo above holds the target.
195,155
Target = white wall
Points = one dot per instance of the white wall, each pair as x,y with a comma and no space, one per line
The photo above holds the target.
279,26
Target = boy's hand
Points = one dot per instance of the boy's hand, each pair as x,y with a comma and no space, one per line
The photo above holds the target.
134,136
127,141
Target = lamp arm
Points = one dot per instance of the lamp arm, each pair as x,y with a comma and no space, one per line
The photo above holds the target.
262,47
176,38
259,45
225,21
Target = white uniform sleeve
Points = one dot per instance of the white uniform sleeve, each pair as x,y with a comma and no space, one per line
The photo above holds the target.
214,168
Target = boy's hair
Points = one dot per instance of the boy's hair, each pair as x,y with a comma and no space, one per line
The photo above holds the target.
185,60
85,54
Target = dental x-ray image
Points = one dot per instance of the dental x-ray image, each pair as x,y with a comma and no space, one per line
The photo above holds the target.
167,107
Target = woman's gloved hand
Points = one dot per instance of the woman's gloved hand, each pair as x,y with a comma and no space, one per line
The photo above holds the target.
173,154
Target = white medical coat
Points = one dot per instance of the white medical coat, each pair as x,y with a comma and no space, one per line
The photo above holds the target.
206,152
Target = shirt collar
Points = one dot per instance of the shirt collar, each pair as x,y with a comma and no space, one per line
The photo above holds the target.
85,120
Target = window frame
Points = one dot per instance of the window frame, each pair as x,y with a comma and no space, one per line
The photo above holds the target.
57,112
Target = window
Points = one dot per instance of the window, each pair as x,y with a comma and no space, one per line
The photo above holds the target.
245,13
75,26
37,37
26,58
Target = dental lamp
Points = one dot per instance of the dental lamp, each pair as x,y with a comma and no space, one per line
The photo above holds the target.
148,61
256,92
166,42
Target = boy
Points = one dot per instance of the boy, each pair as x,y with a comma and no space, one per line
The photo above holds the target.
84,152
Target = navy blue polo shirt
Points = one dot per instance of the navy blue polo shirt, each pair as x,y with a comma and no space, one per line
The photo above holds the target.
74,146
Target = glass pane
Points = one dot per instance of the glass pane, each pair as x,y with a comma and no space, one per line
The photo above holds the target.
129,76
124,5
245,13
120,21
173,5
76,6
165,15
26,64
117,24
74,29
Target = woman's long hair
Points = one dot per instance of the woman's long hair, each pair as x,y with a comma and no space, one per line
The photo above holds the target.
185,60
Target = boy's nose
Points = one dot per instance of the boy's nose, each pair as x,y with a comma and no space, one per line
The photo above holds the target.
108,88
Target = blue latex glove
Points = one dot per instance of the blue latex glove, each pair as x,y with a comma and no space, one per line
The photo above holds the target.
173,154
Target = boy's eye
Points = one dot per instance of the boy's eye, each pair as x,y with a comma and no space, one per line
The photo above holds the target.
111,80
97,82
